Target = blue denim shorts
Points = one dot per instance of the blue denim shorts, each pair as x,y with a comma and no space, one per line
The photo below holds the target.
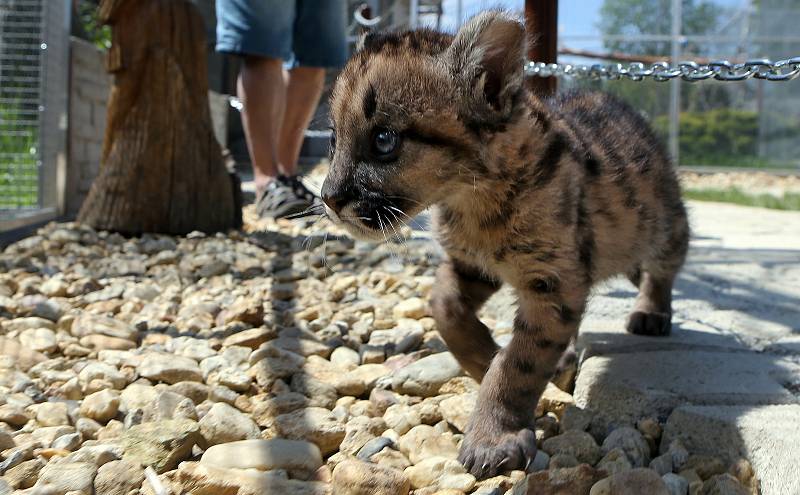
307,33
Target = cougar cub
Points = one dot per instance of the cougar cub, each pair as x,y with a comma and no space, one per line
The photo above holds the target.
549,197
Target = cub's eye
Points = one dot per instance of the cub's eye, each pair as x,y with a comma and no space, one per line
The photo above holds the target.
385,143
332,143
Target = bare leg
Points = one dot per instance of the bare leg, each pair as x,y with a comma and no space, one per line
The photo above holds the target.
459,293
302,95
262,89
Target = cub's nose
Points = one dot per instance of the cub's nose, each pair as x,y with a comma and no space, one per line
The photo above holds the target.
334,197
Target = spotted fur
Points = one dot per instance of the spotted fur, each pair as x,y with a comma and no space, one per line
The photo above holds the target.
547,196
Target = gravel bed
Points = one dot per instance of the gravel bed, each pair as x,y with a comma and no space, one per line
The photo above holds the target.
284,359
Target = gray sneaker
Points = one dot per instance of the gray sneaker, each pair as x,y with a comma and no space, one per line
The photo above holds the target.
284,196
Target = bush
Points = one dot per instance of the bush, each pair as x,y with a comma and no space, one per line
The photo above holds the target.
89,26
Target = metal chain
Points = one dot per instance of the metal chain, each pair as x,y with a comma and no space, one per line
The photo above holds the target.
722,70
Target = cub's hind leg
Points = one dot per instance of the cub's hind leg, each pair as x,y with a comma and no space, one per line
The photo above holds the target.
459,292
652,313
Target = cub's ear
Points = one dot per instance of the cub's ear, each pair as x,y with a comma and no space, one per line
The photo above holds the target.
486,59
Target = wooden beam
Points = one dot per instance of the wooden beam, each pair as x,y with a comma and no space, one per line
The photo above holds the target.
541,22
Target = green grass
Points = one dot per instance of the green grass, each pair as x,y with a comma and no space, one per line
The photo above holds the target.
18,169
789,201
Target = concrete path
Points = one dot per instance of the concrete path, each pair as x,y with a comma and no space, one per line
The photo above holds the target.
727,380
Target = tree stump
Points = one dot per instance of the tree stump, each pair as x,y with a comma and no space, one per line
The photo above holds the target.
162,169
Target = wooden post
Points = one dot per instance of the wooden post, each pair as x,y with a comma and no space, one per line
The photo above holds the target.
161,168
541,22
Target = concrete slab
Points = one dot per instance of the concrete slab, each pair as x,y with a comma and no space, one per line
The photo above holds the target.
768,436
600,337
622,388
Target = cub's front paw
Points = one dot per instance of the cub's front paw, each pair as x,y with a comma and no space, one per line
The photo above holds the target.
488,451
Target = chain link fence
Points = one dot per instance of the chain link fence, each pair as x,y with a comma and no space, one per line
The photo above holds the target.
21,70
34,62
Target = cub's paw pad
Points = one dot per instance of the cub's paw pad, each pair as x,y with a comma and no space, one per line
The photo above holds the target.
652,324
485,456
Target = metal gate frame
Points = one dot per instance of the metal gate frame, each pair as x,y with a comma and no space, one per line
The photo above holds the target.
53,106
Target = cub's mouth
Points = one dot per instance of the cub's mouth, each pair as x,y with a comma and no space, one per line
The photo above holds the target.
372,219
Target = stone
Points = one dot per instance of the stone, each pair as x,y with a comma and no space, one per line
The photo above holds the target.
559,461
566,481
635,481
224,423
202,479
614,461
6,441
767,435
344,357
23,357
742,470
313,424
303,347
250,311
68,442
234,379
299,458
373,447
391,458
167,405
270,363
161,445
723,484
622,388
577,443
457,409
401,418
649,426
99,454
414,308
426,376
430,471
676,485
662,464
64,477
553,400
169,368
424,441
13,415
52,414
630,441
362,478
100,406
103,371
319,393
27,323
251,338
705,466
39,339
406,337
25,474
118,478
104,342
359,431
679,454
89,323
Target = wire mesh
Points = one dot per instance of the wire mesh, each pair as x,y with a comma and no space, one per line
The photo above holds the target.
21,76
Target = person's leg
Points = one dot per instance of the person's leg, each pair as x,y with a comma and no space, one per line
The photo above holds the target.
261,32
302,95
319,41
262,90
